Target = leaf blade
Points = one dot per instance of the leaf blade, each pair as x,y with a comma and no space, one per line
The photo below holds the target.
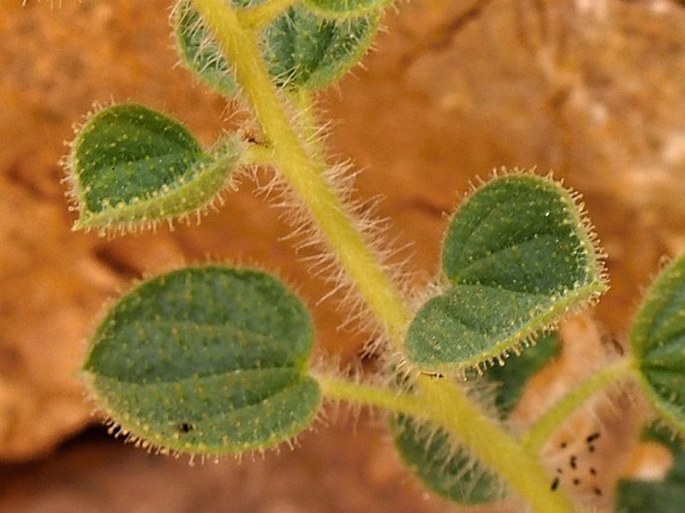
657,338
442,467
232,367
512,377
518,256
131,166
346,8
301,50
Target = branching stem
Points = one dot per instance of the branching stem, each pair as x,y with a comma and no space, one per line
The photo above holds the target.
536,437
439,399
450,407
304,174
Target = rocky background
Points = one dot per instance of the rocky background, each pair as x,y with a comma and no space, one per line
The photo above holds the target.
592,89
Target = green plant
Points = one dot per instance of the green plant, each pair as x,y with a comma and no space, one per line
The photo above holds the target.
217,360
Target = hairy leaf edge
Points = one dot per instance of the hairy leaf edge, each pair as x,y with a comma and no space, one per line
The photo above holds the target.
583,298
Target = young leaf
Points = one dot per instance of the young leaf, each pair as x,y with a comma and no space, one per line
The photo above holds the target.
518,256
666,496
301,49
657,338
443,468
308,52
346,8
199,52
130,166
207,360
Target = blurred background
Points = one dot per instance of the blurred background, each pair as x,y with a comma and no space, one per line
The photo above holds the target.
591,89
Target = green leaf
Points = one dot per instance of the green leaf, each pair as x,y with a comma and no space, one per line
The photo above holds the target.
518,256
346,8
512,377
308,52
130,167
301,49
657,338
199,52
206,360
665,496
443,468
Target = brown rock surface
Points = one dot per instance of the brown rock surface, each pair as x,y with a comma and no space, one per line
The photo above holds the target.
592,89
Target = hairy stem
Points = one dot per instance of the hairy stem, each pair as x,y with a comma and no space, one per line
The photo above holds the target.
445,402
449,406
257,155
303,174
535,438
391,400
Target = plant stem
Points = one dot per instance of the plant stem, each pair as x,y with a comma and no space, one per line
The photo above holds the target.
260,15
257,155
337,225
449,405
392,400
446,405
304,175
535,438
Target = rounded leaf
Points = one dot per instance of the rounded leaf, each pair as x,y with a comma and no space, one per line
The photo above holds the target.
657,338
443,468
130,166
518,256
301,50
207,360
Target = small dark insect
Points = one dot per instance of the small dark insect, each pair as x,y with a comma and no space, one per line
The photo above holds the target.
592,437
559,471
574,462
591,448
576,482
185,427
593,471
563,445
597,491
555,484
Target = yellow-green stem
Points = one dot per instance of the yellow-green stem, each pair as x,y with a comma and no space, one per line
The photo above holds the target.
361,264
260,15
257,155
305,177
306,118
392,400
545,426
449,406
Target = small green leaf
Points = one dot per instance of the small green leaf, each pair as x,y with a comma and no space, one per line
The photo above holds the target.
518,256
657,338
308,52
199,52
346,8
130,167
511,378
664,496
443,468
207,360
301,49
